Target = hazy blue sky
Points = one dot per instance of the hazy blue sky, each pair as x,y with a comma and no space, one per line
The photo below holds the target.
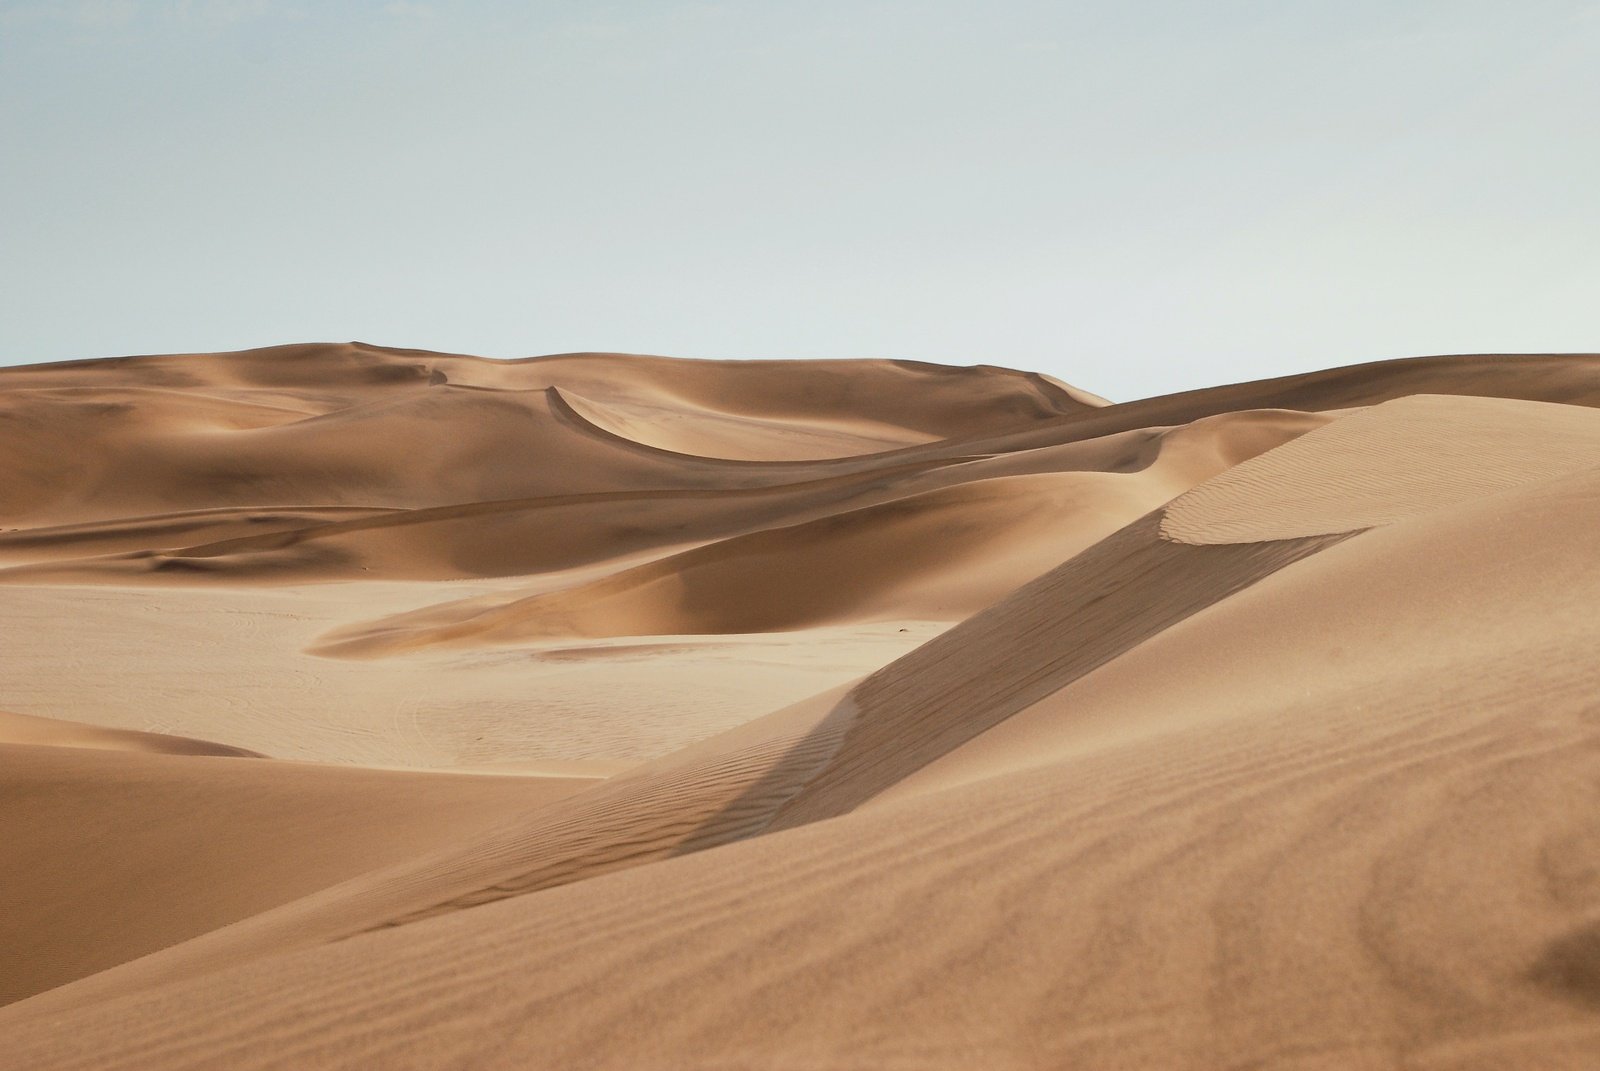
1136,196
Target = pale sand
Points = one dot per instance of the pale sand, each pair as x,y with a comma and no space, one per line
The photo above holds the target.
845,714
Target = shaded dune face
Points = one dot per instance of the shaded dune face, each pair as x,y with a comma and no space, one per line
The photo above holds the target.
796,714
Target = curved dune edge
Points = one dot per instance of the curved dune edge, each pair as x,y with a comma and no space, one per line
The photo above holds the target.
53,732
660,427
926,557
982,528
520,536
358,425
1485,597
1399,459
348,413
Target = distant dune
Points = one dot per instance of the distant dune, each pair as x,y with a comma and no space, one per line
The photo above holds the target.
377,708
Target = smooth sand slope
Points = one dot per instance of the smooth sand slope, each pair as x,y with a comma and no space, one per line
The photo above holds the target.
115,854
818,715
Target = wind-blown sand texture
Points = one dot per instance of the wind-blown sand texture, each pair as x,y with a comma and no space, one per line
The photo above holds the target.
374,708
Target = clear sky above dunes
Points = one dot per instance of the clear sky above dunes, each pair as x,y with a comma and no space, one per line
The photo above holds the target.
1137,196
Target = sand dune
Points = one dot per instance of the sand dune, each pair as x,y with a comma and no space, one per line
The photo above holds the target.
51,732
126,853
937,555
360,426
824,713
1396,460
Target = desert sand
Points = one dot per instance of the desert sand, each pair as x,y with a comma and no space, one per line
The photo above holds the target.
377,708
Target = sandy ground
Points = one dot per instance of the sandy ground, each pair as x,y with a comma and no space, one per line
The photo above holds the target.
382,708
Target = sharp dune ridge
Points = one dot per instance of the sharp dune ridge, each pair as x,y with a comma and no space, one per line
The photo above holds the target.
372,707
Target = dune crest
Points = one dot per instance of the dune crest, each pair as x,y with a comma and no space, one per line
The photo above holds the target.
52,732
1399,459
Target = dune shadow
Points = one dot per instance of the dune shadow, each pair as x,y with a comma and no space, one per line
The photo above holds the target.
1044,636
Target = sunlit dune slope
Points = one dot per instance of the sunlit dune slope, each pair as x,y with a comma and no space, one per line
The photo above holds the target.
355,425
116,853
940,554
50,732
140,456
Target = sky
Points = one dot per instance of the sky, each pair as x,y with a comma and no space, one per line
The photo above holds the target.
1135,196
